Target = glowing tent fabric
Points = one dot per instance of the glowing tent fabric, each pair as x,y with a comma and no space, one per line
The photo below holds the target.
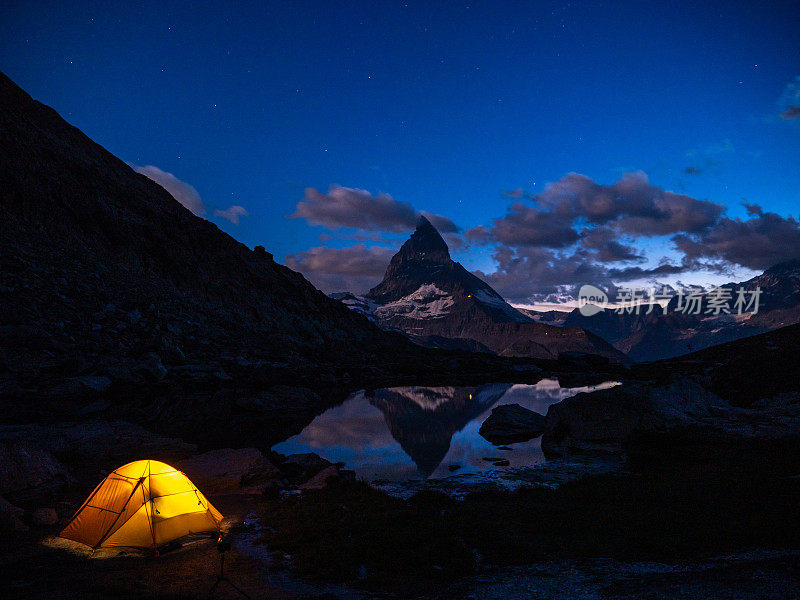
143,504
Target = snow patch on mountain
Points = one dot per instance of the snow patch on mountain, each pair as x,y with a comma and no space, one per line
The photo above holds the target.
428,301
494,300
357,303
429,399
433,398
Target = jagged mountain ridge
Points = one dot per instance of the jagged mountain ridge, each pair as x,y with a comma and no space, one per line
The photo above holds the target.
437,302
657,335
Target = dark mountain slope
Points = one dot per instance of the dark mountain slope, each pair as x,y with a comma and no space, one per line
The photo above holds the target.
81,230
764,366
117,301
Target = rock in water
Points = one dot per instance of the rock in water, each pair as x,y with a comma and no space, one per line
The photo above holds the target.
300,468
603,420
511,423
320,480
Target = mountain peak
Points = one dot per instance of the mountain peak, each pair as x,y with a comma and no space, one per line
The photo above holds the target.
423,264
418,261
426,243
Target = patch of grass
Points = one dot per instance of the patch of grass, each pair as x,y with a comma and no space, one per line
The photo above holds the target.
351,532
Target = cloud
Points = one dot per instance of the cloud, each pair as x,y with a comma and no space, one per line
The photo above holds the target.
792,112
355,268
358,268
754,210
232,213
576,229
180,190
607,248
664,269
478,235
630,206
525,225
574,232
516,193
759,242
539,273
442,224
345,207
790,100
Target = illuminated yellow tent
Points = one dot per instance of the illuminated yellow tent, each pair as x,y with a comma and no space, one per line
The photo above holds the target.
143,504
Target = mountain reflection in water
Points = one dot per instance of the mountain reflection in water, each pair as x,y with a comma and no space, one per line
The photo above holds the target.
412,432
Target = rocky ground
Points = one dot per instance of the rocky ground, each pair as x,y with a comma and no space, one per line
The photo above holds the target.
190,571
763,575
709,445
39,566
302,527
46,471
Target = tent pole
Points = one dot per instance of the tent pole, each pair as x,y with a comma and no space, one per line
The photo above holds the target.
149,514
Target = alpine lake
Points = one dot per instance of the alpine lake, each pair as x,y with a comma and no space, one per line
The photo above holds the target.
402,437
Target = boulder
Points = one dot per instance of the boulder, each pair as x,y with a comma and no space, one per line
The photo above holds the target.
10,517
44,517
320,480
604,419
299,468
87,451
511,423
25,466
229,471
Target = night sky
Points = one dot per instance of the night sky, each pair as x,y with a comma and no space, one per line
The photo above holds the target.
553,144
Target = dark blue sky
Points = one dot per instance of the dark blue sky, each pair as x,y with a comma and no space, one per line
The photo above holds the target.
443,107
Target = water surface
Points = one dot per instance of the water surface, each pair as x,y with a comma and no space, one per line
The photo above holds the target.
414,432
